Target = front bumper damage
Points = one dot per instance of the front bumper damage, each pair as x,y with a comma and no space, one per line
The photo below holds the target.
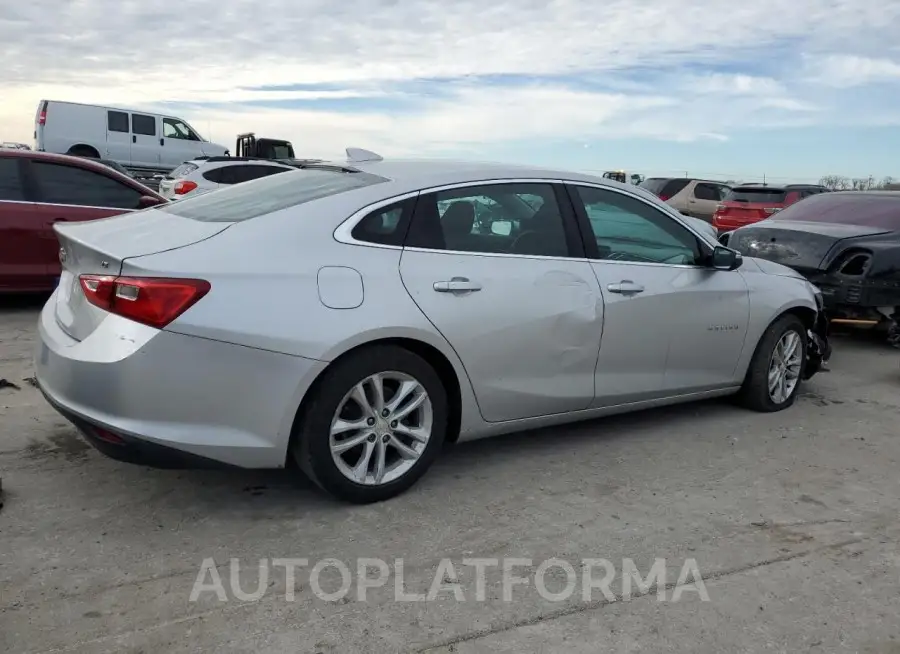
819,348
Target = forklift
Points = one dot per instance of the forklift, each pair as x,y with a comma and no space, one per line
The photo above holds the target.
248,146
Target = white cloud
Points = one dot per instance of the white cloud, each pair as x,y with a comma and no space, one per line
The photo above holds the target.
846,71
137,54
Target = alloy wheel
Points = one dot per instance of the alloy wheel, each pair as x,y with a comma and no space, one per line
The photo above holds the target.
784,367
381,428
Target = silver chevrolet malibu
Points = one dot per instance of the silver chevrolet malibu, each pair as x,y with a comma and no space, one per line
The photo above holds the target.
353,317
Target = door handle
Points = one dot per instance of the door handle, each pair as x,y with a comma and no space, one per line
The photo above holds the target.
161,142
625,287
133,138
457,285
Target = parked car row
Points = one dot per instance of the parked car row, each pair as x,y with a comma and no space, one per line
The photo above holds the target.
723,206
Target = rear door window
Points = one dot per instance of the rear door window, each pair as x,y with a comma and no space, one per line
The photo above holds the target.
11,188
655,184
673,187
386,226
756,194
145,125
704,191
274,193
117,121
63,184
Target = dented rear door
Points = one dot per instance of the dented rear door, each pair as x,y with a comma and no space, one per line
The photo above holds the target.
527,333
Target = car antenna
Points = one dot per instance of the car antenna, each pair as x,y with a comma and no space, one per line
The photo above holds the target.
358,155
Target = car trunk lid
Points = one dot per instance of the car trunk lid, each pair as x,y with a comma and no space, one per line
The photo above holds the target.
801,245
99,247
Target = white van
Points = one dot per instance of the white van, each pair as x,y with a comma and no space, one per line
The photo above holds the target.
135,139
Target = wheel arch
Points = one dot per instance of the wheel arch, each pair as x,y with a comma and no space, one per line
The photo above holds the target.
805,313
86,149
431,354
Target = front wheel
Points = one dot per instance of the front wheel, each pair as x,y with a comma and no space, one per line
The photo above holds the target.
773,378
373,426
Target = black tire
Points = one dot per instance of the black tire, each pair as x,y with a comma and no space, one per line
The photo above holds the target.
310,443
84,151
754,394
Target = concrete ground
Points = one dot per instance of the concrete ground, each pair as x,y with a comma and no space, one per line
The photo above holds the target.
791,518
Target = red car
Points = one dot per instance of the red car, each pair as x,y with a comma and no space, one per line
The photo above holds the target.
751,203
38,189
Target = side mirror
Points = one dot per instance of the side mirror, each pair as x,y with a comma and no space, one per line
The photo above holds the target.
147,201
726,259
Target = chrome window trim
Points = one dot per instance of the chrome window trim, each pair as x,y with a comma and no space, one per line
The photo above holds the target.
342,234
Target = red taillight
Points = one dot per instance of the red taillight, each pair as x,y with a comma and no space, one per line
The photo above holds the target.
153,301
42,117
184,186
664,197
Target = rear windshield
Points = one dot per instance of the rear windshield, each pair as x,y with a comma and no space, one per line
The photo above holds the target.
654,184
881,211
182,171
761,195
269,194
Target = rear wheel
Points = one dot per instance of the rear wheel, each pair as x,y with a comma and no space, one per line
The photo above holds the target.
774,376
374,425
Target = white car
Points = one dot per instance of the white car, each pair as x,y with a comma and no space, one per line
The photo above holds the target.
135,139
204,175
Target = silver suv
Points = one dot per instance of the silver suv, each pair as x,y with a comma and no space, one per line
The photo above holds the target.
692,197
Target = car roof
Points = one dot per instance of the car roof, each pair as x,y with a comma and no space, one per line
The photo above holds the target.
415,174
691,179
865,194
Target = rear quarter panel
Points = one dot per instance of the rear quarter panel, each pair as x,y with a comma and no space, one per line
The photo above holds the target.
265,293
71,124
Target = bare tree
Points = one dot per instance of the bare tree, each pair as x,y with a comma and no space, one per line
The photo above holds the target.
840,183
835,183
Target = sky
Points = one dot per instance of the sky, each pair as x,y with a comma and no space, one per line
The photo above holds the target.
789,89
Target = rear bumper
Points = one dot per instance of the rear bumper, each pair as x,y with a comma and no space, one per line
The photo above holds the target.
846,295
134,450
163,393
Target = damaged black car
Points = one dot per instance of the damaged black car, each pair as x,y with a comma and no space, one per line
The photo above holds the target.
845,243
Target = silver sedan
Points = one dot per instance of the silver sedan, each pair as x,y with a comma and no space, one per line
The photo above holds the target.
354,317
